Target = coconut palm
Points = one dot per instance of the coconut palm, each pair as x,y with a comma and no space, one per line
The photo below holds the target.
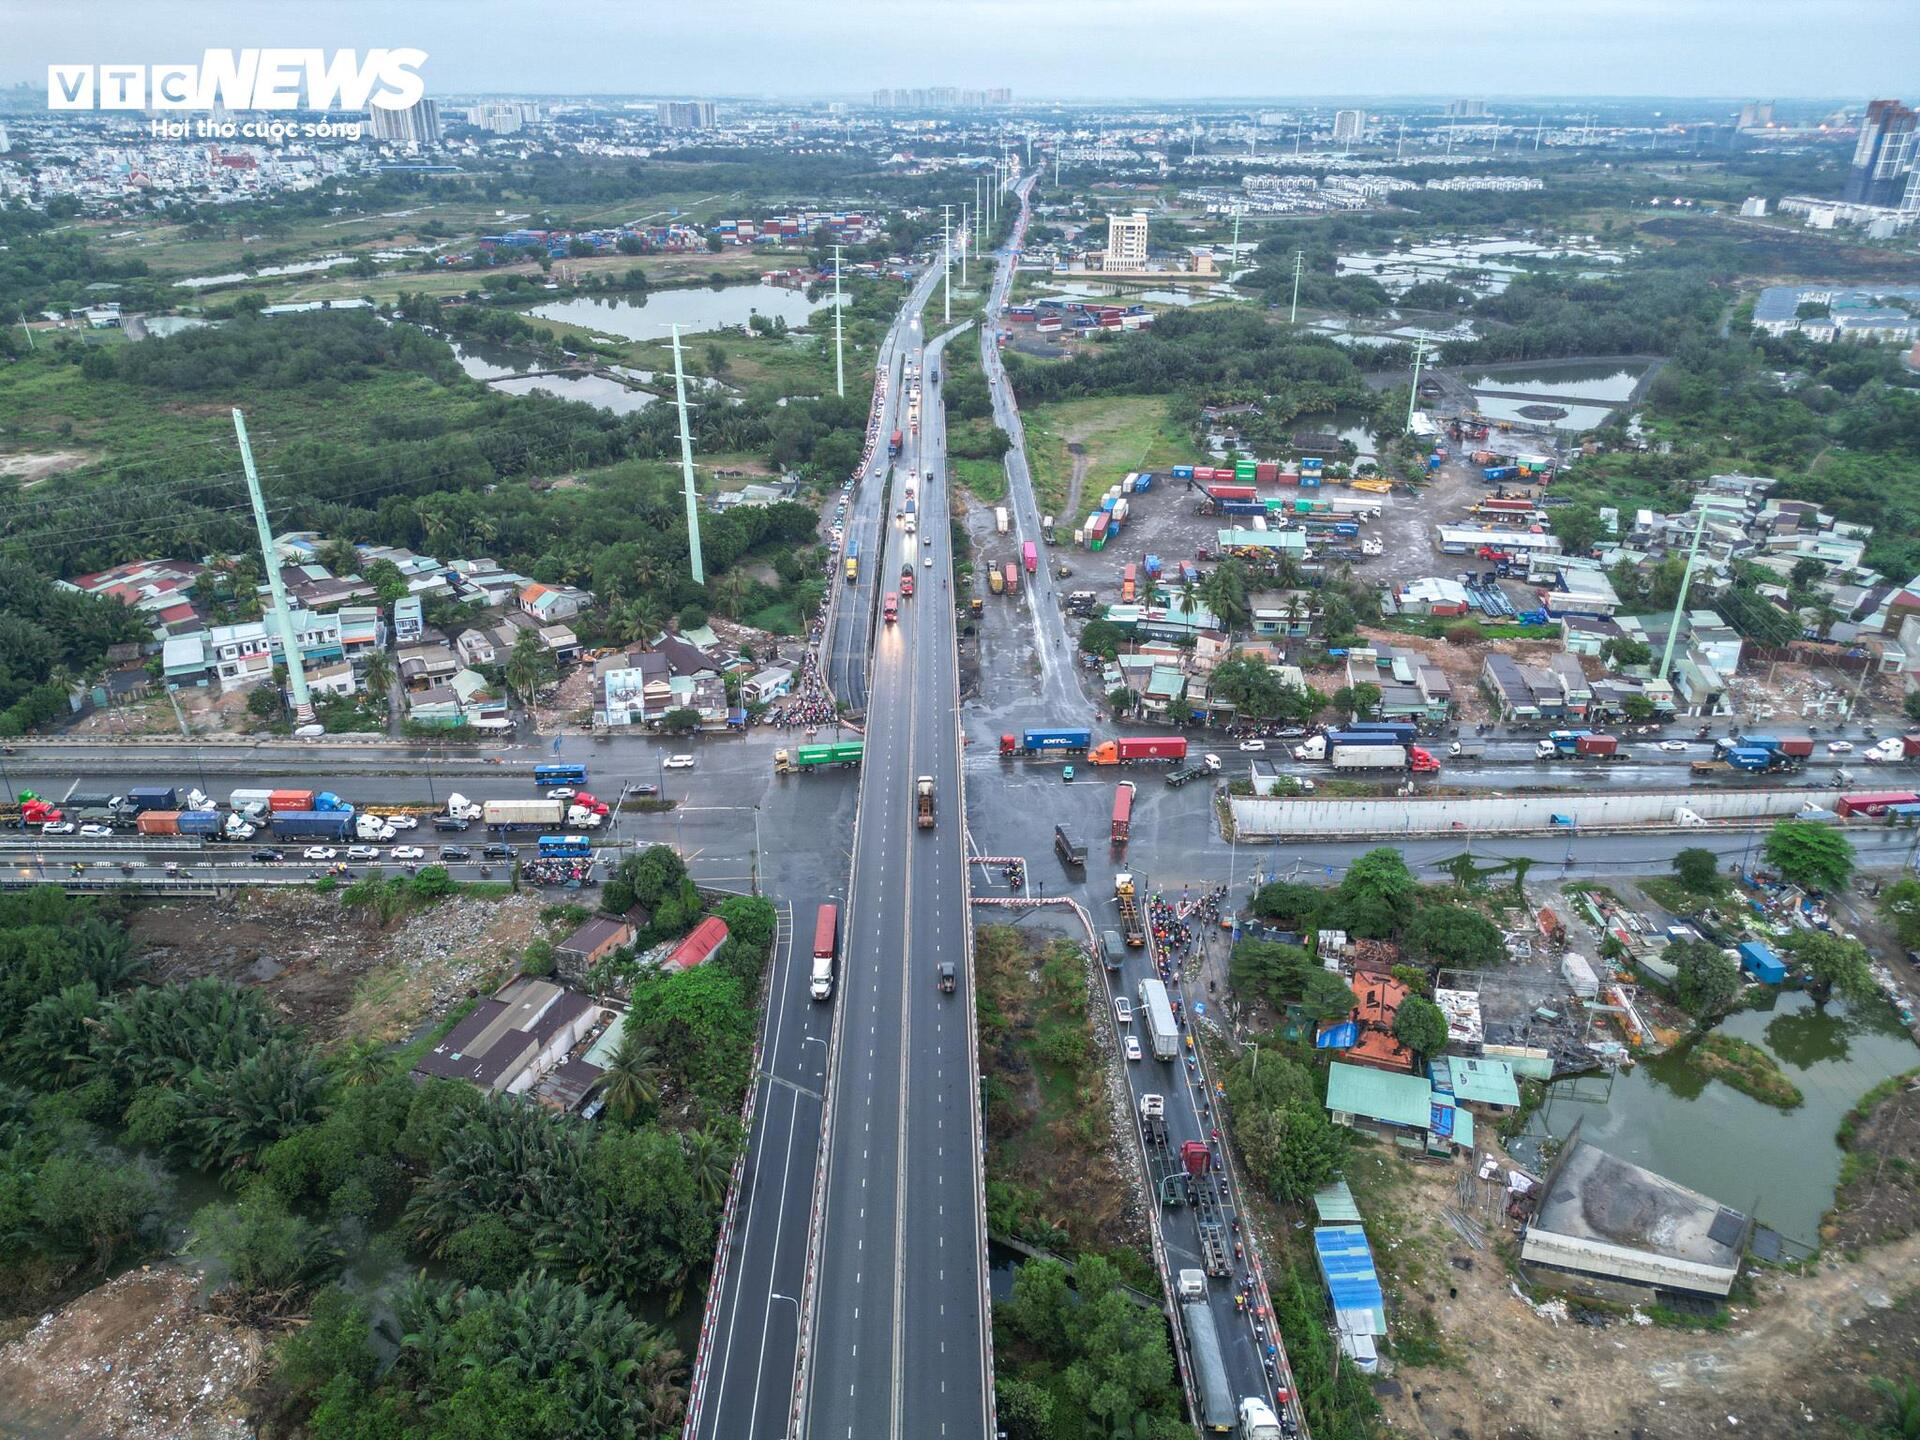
632,1078
377,673
361,1062
709,1163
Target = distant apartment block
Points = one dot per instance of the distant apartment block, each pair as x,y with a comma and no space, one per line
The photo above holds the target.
1126,242
1349,124
417,126
685,114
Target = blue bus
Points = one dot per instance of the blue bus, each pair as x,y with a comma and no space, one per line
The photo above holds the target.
565,846
559,775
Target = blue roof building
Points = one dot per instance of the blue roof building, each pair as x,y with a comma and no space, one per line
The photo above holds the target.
1353,1283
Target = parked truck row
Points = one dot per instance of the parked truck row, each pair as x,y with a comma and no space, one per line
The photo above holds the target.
1070,744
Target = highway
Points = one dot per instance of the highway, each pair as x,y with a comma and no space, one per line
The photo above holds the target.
897,1318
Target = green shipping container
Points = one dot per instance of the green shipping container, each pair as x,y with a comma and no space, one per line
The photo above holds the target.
847,752
1244,472
1303,507
1098,542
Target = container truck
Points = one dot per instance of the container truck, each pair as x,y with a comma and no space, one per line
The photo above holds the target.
1384,757
251,802
1153,1120
1790,747
826,947
818,757
1404,732
1122,811
205,823
326,824
278,800
1129,750
923,802
1071,852
159,822
1127,900
1742,759
1045,742
1873,803
372,827
1579,744
153,797
994,582
1029,556
893,443
1158,1010
1319,747
999,519
1011,576
1210,1385
523,814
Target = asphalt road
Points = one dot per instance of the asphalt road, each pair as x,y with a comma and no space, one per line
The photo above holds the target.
898,1316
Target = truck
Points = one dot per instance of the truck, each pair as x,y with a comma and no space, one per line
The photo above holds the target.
502,815
994,581
1029,556
1207,765
1161,1030
1129,586
1045,742
923,802
1890,751
278,800
322,824
1740,759
906,582
1128,902
1071,852
1153,1120
1321,746
251,802
1137,749
1577,744
1122,811
1011,576
1047,528
153,797
841,754
826,946
1000,520
890,607
1381,757
461,808
1404,732
372,827
893,443
1257,1420
1794,747
1210,1385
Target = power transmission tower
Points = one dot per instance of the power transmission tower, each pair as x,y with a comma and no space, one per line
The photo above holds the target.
282,614
839,358
963,244
1299,263
695,565
946,258
1413,395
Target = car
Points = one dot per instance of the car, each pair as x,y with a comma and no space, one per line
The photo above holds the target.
1673,747
403,822
643,790
93,830
455,852
563,793
678,762
498,852
1131,1045
1839,747
58,827
944,977
1066,774
928,562
362,852
1253,747
1122,1010
927,539
319,852
408,852
268,857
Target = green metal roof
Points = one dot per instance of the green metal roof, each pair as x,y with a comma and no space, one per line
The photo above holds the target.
1336,1203
1378,1095
1484,1082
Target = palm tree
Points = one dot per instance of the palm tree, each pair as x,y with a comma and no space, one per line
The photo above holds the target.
709,1163
1902,1419
361,1062
633,1078
378,674
529,666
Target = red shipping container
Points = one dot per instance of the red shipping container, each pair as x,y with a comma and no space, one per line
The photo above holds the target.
1122,812
290,800
1153,747
1909,744
1874,802
1289,477
1596,744
1267,473
159,822
1232,492
1801,746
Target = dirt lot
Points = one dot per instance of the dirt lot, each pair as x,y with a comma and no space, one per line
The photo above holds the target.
332,971
1790,1365
1879,1196
138,1358
31,470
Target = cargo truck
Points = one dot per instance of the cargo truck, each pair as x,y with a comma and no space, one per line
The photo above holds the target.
1319,747
1130,750
818,757
1047,528
1158,1010
923,802
1383,757
890,607
1578,744
1011,576
826,947
994,581
1045,742
893,443
1029,556
999,519
1128,902
1210,1385
1122,811
327,824
523,814
1208,764
251,802
1071,852
1153,1120
153,797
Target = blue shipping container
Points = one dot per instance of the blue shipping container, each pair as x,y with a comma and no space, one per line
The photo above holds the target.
1759,961
200,822
153,797
1309,481
1056,739
1144,482
1362,737
329,823
1183,472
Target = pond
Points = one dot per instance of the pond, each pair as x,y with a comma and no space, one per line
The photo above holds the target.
1779,1166
1577,417
1612,383
650,315
305,267
598,390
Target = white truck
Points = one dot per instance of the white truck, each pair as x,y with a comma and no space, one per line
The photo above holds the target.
1369,757
821,986
461,808
1000,521
1257,1420
1164,1034
1314,747
372,827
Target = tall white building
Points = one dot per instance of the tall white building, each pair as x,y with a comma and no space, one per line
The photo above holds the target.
502,118
685,114
1126,242
418,125
6,140
1349,124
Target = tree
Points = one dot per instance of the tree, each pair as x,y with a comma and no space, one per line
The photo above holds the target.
632,1079
1707,983
1899,906
1637,708
1834,964
1120,702
530,665
1376,896
1697,870
1293,905
263,703
388,582
1809,854
1421,1026
680,721
1102,638
1360,700
1577,527
271,1255
1623,651
1455,935
1325,996
1224,592
1262,970
1249,686
1910,704
376,674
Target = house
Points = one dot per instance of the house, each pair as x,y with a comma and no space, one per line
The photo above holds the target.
1403,1107
361,631
512,1038
561,643
435,705
424,574
1433,595
246,653
1377,1000
1581,592
477,646
1410,688
184,663
636,693
334,679
312,587
548,604
699,946
422,666
596,939
408,620
684,658
1532,692
480,704
768,684
1291,613
161,590
1485,1083
1584,635
485,582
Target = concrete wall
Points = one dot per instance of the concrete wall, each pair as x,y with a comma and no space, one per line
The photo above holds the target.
1259,818
1595,1257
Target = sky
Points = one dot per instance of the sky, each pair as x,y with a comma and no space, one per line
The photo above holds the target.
1068,49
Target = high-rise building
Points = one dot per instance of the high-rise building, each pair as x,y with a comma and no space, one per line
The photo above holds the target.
1348,124
1883,156
1756,115
1126,242
417,126
6,140
1466,109
502,118
685,114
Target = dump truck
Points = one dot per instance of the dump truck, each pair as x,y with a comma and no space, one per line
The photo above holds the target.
1136,749
841,754
923,802
1071,852
1122,811
1128,902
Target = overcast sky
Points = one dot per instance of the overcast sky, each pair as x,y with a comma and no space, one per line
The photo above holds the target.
1074,49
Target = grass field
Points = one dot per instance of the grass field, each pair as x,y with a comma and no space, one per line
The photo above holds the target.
1115,434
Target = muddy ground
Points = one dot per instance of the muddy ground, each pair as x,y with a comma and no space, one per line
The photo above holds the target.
1795,1362
1879,1198
139,1358
334,971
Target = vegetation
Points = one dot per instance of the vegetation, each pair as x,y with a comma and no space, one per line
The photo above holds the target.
1708,984
1834,965
1280,1122
1809,854
1747,1068
1698,871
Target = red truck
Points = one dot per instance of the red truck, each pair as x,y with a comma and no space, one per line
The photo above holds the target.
1129,749
1596,745
893,445
1013,578
1122,811
906,582
891,607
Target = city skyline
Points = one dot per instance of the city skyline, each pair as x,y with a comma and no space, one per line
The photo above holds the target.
1698,49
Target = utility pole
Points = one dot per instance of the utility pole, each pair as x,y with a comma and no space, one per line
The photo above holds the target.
1401,148
1686,583
1299,264
1538,121
839,357
1236,240
695,565
963,244
28,331
946,256
1413,395
283,616
979,201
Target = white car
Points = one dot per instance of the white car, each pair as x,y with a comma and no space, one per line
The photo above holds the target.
362,852
926,539
408,852
1122,1010
403,822
319,852
58,827
1673,747
928,562
1253,747
563,793
97,832
1131,1045
679,762
1839,747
